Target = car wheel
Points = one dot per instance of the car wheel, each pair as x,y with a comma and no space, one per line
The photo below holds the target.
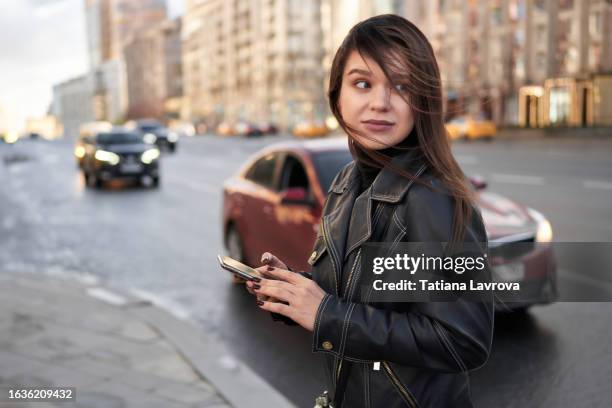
172,148
155,182
234,249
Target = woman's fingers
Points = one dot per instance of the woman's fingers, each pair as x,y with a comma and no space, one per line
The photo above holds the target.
270,260
285,275
281,308
275,290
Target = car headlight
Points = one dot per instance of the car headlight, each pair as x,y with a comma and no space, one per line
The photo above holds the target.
172,137
79,152
148,156
108,157
544,232
149,138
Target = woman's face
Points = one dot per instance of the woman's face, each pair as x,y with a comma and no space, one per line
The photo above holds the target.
372,105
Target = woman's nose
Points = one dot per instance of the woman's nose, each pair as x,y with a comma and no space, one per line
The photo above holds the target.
380,99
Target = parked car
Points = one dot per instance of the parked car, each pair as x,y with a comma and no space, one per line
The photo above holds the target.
470,128
87,133
268,128
225,129
275,201
119,154
247,129
155,132
310,129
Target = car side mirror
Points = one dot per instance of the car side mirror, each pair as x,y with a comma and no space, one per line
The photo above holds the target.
478,182
295,196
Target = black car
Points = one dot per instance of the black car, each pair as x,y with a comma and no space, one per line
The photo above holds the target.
155,132
119,154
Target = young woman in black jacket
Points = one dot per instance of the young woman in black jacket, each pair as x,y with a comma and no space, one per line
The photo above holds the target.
403,186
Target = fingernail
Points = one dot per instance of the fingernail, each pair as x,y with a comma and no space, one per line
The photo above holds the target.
256,279
270,268
259,303
256,286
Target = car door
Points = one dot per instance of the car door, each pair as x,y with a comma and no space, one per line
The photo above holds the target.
259,197
294,222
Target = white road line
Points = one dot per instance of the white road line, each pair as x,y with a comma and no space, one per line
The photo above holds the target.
517,179
595,184
466,160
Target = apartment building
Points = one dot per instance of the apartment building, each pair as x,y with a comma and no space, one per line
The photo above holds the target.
253,60
154,73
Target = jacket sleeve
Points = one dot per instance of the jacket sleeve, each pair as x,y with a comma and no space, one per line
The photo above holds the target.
442,336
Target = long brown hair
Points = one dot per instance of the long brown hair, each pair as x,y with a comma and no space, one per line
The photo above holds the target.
405,55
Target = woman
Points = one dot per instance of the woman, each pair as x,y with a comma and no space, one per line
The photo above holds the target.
403,186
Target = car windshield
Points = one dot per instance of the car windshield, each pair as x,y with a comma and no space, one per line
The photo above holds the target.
118,138
149,127
328,164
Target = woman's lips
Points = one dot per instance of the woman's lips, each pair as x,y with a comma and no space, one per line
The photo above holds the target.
374,126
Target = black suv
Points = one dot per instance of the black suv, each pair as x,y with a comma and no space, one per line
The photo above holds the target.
154,132
119,154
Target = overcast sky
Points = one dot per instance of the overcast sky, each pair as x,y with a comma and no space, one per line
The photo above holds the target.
42,42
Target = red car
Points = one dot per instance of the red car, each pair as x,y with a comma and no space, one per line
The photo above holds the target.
275,200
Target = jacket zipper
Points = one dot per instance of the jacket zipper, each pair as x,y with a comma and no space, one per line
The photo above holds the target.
406,395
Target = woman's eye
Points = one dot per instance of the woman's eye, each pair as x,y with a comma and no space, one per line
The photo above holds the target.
401,88
361,84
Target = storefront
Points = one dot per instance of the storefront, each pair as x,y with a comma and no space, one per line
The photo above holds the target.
567,102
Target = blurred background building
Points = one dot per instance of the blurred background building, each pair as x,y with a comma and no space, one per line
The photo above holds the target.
154,72
253,60
533,63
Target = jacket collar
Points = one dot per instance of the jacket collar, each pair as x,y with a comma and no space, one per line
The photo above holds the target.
354,212
388,186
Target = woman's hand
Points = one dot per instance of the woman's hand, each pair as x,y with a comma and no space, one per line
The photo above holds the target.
268,260
294,296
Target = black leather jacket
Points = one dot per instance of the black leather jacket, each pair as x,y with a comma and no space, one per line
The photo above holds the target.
423,351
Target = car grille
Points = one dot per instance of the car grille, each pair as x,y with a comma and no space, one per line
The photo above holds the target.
129,157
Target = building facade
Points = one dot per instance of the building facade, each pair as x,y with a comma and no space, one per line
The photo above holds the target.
253,60
73,103
111,25
154,73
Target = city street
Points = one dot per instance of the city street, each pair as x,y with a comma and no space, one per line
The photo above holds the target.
162,244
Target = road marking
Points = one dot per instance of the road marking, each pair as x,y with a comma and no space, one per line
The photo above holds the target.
466,160
595,184
106,296
518,179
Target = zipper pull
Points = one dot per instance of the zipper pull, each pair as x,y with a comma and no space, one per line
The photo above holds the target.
376,366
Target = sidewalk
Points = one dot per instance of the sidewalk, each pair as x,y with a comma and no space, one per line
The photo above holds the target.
116,350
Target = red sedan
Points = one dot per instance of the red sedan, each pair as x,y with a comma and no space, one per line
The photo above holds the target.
281,190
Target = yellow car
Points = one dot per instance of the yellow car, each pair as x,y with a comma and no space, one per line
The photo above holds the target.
467,127
226,129
310,129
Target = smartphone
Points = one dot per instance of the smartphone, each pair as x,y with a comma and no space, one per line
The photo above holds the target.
240,269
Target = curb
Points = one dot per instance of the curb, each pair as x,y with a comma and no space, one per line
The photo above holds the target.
212,361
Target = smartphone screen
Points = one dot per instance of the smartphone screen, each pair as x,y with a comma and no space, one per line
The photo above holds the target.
236,267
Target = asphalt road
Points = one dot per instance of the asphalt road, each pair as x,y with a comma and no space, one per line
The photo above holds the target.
162,243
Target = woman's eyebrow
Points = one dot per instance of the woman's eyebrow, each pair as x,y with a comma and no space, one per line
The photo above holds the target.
359,71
